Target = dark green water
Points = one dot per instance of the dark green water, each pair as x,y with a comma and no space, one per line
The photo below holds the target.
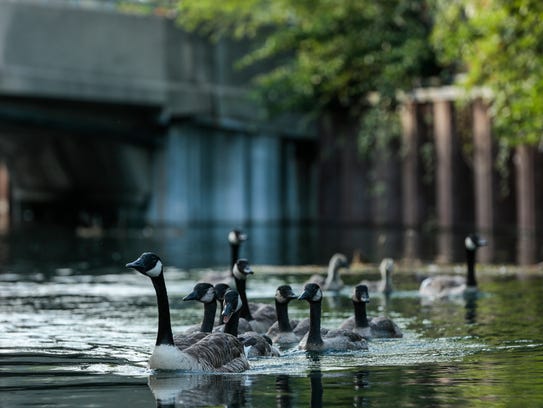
76,329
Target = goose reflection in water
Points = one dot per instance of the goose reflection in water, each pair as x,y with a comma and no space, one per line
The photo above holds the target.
284,397
315,377
284,391
196,390
471,308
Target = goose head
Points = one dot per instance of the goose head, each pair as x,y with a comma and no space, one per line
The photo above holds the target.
312,293
474,241
284,294
361,294
148,264
232,304
202,292
220,290
241,269
386,267
236,237
333,280
338,261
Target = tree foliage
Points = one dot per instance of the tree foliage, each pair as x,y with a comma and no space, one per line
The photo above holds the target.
324,55
498,44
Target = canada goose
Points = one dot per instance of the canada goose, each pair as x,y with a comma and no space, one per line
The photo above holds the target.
439,287
281,332
216,352
202,292
333,280
230,314
185,340
377,327
220,290
205,293
264,315
386,267
240,271
339,340
235,238
255,344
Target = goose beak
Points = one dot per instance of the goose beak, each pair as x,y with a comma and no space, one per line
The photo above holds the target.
137,265
304,296
190,296
482,242
227,313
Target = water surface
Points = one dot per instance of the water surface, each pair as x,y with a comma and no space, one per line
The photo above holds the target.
77,329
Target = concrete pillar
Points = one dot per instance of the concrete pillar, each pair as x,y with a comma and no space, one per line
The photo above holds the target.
482,168
525,200
410,190
410,193
4,198
443,134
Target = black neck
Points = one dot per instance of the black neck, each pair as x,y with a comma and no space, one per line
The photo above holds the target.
231,327
234,255
360,317
470,260
164,334
282,317
244,312
209,317
314,335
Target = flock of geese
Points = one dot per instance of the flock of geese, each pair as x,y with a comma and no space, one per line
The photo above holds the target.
245,330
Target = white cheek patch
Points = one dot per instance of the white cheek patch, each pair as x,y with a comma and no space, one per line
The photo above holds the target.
238,274
232,237
209,296
239,304
318,296
157,269
470,244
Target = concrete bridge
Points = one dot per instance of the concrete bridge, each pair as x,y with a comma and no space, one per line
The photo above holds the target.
116,119
122,117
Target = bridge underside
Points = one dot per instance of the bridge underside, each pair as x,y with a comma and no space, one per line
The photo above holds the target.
125,118
76,162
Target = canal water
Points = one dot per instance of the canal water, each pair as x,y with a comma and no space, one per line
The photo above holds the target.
77,328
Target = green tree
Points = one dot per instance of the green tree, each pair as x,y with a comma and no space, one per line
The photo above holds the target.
324,55
498,44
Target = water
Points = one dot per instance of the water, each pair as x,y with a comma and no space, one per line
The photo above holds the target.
76,329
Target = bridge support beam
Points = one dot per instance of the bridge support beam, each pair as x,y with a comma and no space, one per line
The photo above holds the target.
482,168
525,195
410,185
443,135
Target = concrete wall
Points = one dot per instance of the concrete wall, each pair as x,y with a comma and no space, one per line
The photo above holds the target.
226,176
66,52
131,113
